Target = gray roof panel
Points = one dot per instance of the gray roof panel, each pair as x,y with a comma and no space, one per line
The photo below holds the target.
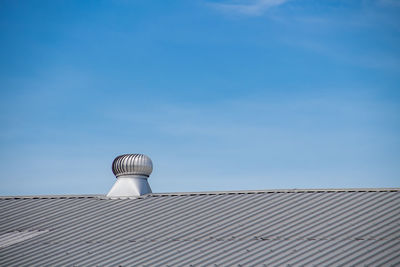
273,227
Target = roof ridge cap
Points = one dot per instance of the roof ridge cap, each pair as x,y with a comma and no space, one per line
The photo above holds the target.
238,192
229,192
52,196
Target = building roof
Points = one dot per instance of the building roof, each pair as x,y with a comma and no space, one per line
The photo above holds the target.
272,227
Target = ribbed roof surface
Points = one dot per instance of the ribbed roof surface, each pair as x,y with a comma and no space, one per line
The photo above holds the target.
310,227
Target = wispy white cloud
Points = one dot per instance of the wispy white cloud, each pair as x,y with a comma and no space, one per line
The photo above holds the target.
250,8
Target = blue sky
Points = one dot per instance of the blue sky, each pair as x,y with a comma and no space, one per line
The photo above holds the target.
222,95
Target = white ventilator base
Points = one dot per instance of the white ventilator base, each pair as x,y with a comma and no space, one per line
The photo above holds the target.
130,186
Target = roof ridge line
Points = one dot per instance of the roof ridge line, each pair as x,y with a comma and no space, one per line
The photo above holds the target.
232,192
238,192
52,196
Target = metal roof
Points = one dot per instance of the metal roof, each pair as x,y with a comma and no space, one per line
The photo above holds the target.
272,227
11,238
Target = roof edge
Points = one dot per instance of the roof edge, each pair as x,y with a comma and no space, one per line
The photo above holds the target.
295,190
230,192
53,196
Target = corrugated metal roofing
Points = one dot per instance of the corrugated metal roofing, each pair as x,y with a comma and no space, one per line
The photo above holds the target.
272,227
14,237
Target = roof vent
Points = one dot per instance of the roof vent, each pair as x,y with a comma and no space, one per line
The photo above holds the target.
132,171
